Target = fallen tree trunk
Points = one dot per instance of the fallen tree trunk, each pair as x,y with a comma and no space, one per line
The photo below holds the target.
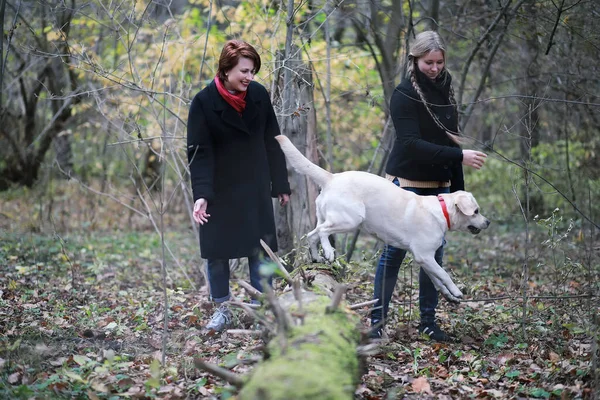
314,351
315,359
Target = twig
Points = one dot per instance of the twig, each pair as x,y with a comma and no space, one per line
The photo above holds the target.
252,291
363,304
274,257
337,298
368,349
249,305
253,314
228,376
549,297
280,314
247,332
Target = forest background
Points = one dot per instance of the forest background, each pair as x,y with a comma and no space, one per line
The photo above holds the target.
95,223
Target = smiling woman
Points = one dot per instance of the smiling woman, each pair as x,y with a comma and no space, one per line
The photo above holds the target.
236,166
425,159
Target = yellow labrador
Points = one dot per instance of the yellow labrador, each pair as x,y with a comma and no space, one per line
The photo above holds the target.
395,216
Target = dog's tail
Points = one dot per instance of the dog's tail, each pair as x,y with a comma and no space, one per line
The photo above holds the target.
301,164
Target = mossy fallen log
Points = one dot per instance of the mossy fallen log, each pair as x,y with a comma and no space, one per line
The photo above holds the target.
314,359
313,353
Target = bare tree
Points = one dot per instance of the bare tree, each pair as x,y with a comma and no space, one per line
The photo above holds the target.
41,93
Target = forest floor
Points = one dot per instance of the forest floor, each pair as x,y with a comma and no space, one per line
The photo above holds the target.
82,315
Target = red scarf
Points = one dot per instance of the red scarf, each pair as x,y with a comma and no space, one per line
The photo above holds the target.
237,101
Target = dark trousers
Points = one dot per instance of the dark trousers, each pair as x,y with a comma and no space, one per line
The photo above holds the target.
218,275
389,267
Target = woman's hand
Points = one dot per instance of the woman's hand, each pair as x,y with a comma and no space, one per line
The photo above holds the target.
473,158
199,214
283,199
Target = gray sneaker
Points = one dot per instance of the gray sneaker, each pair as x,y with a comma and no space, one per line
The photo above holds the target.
220,320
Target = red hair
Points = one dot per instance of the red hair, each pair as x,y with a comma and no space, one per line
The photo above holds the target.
231,54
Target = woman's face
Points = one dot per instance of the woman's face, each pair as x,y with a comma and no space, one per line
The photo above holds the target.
240,76
431,64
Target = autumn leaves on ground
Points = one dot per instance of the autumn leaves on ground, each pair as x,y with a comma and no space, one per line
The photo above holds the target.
82,316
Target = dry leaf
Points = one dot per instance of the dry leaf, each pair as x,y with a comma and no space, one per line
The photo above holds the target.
420,385
14,378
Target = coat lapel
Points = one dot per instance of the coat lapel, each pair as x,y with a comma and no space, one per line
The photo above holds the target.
229,116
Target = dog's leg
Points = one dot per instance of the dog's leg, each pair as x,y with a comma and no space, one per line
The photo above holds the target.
440,278
341,225
313,239
328,250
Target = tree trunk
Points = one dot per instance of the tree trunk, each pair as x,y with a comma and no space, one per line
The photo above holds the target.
299,124
529,130
39,108
314,349
315,359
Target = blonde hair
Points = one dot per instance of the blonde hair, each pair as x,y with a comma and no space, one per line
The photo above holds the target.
423,44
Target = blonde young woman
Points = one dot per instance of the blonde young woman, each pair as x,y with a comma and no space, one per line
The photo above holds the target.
426,160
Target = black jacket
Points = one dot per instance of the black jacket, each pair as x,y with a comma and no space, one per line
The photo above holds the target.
422,151
237,166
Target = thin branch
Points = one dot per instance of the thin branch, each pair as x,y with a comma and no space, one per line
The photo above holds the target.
280,314
228,376
524,168
244,332
370,349
363,304
208,26
547,297
488,65
248,310
465,70
252,291
559,10
274,257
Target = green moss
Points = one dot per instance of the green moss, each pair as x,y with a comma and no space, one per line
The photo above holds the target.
317,360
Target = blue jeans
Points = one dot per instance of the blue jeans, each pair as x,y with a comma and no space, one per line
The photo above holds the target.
218,275
389,267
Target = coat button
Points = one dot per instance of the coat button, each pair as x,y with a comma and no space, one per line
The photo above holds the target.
445,167
448,116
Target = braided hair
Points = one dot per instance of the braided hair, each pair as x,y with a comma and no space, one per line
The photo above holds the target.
424,43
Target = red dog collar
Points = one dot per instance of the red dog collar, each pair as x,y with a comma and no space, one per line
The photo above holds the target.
444,209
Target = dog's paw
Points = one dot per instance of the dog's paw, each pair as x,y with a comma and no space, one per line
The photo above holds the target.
315,256
318,259
453,295
452,298
329,254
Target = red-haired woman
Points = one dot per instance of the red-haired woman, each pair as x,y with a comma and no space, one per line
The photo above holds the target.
236,167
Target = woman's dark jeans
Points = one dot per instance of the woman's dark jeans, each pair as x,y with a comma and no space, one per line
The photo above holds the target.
389,267
218,276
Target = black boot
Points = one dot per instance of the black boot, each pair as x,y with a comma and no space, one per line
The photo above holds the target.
376,329
433,332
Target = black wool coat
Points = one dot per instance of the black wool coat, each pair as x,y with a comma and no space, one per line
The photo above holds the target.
422,151
237,166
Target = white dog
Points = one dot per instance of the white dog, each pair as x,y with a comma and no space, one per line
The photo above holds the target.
396,216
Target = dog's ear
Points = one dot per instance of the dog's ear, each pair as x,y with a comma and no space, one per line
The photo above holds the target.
466,204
